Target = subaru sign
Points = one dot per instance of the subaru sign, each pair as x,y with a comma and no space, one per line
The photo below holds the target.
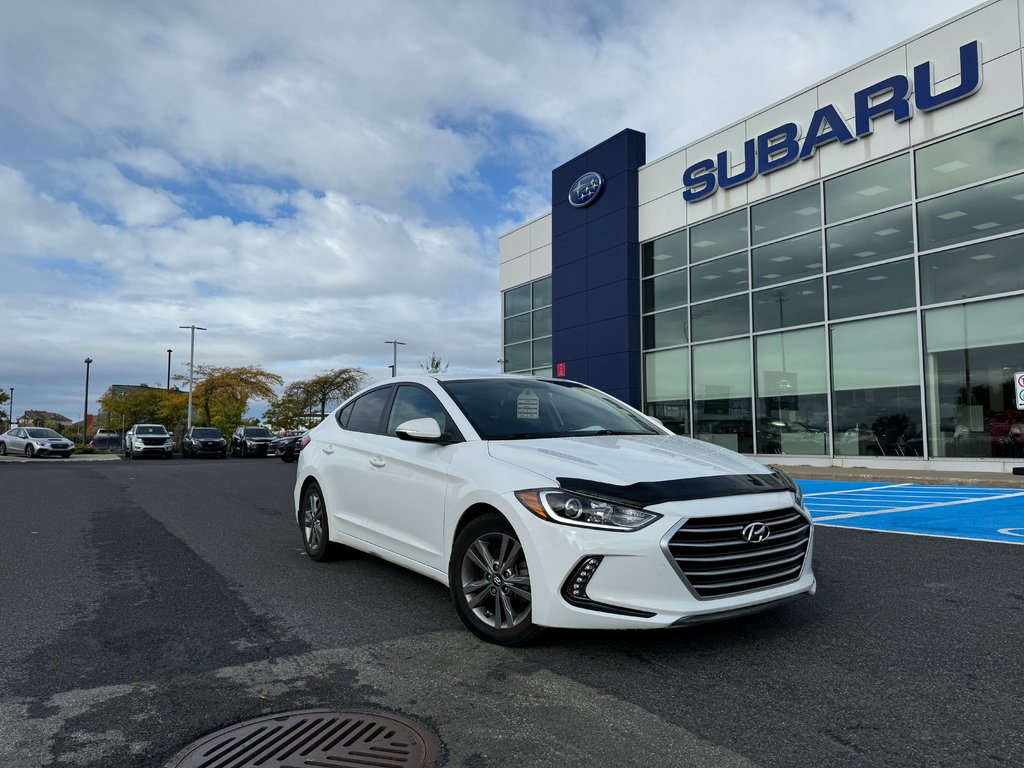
585,190
783,146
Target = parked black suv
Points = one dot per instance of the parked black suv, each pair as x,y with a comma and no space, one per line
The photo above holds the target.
199,441
250,441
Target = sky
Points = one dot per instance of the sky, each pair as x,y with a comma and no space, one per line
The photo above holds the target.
308,180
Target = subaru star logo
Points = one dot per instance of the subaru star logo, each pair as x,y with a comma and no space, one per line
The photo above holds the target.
755,532
585,190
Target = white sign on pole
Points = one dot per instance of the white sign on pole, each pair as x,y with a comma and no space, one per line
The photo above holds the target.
1018,387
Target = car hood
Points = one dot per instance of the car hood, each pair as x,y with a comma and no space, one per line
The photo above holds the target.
624,459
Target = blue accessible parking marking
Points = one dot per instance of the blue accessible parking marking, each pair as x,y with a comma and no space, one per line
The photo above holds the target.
961,512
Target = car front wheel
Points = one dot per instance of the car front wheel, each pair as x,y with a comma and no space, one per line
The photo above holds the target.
490,582
316,531
30,451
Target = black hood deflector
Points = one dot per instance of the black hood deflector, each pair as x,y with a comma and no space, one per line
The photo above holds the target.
649,494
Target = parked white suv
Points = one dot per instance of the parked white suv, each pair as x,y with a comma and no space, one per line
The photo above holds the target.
148,440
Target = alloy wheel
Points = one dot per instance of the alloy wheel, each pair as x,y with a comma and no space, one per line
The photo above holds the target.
496,581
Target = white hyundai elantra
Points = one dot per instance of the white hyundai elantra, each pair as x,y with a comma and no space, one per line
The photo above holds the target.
547,503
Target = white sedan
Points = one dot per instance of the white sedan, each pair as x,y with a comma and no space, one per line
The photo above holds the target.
35,441
547,503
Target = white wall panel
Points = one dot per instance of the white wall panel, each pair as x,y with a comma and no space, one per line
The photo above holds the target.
515,272
796,175
514,244
723,200
997,26
888,137
666,214
540,232
731,139
540,262
662,177
795,110
839,90
1001,91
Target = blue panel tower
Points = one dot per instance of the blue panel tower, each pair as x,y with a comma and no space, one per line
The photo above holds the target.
595,268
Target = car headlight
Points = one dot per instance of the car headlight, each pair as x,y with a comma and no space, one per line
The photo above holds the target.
583,511
169,441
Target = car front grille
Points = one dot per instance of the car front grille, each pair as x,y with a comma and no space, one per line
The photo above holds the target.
153,441
717,561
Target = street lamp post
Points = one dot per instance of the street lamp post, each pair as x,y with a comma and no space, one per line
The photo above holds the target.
169,368
85,417
10,404
191,360
394,358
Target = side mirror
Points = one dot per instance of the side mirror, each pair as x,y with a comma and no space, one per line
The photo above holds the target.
421,431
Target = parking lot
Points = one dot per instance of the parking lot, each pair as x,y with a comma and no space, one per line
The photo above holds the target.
149,603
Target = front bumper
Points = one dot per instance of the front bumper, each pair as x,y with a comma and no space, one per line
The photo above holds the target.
53,449
636,574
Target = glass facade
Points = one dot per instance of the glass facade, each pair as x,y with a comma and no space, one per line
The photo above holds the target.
526,312
874,313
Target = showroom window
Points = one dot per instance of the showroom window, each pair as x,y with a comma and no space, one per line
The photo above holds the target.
720,277
876,397
664,254
667,388
792,399
787,215
787,260
718,319
875,289
875,238
866,190
971,353
981,269
666,329
718,237
971,157
994,208
788,305
722,393
664,291
527,329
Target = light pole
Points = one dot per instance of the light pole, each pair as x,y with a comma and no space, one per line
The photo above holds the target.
10,404
85,417
394,358
191,360
169,368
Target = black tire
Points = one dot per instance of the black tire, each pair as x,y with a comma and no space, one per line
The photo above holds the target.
313,524
30,451
492,597
65,455
287,458
3,449
128,453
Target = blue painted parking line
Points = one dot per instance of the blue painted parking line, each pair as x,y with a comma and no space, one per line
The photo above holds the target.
962,512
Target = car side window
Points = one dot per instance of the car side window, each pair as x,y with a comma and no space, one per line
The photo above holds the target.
415,403
367,411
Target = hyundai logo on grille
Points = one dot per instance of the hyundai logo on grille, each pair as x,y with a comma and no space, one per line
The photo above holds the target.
755,532
585,190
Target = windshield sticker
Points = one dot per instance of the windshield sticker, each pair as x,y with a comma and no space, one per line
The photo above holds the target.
527,406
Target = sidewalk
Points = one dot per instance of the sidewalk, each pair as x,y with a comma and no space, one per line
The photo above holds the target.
918,477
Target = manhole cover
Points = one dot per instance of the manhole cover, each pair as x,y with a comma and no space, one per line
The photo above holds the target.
315,737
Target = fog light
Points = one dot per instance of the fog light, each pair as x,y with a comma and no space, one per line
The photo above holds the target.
574,589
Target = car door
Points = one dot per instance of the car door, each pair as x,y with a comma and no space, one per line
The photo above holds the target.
16,442
405,511
341,456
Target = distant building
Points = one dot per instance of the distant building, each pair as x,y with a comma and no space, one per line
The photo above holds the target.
40,418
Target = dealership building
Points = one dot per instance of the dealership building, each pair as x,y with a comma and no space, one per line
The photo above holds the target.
837,279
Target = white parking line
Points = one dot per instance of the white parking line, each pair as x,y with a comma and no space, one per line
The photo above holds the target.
973,500
855,490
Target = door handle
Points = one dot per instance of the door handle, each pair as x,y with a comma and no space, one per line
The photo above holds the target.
377,461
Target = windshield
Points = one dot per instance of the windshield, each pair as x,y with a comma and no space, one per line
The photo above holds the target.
41,432
150,430
257,432
509,409
206,432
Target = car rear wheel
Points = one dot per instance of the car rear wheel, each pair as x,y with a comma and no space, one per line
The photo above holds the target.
316,531
3,449
490,582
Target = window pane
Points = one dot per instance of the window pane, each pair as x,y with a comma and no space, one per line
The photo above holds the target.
722,395
876,238
866,291
796,304
719,236
665,329
720,277
991,267
518,357
368,410
517,329
415,403
665,291
542,322
788,260
876,389
786,215
725,317
990,151
664,254
792,405
869,189
517,300
982,211
542,293
542,352
667,385
971,354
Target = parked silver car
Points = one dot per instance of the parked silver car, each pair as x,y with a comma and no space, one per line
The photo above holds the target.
35,441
